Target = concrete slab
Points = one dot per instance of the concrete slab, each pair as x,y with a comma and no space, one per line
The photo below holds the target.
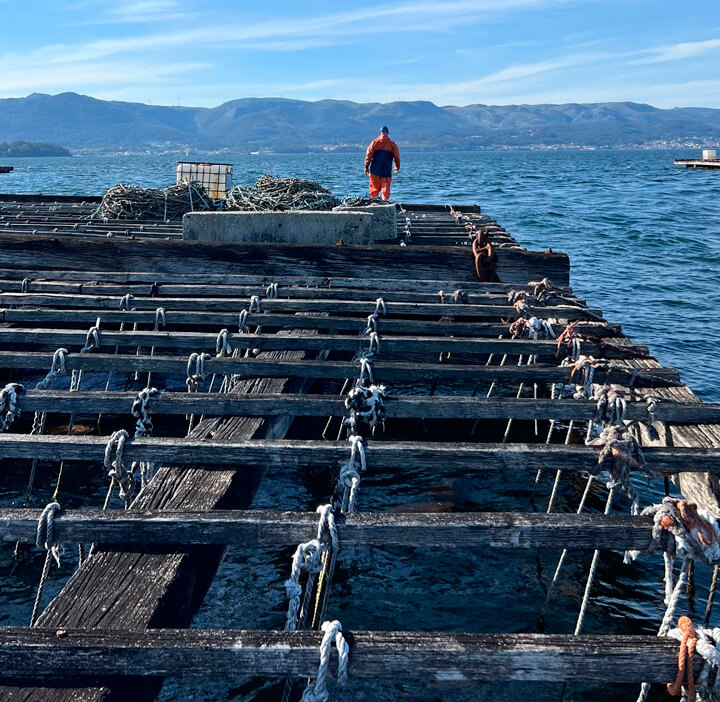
354,226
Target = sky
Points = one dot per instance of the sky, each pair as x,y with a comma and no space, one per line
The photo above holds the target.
457,52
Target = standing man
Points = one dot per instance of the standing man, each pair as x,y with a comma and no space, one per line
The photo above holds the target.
379,164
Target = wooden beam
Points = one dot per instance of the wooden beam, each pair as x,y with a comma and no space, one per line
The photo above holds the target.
194,341
386,454
225,304
396,406
267,528
23,251
438,657
291,321
384,371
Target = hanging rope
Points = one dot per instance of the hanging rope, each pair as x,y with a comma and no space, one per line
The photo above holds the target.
380,311
307,558
611,405
367,404
271,292
126,302
92,340
349,478
196,362
143,427
317,690
8,404
222,344
116,470
45,538
57,368
686,653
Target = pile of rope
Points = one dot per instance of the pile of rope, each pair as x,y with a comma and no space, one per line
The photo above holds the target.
272,194
127,202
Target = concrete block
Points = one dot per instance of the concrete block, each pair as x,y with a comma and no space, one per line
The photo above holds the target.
354,227
384,218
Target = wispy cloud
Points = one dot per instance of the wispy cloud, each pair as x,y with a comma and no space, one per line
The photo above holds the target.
678,52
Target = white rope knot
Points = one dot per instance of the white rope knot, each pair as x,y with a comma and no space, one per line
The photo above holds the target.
611,405
586,366
126,302
92,340
194,379
8,404
317,690
255,304
271,292
366,403
222,344
141,411
380,310
45,534
57,368
159,317
327,528
349,478
25,285
308,558
366,372
373,344
114,463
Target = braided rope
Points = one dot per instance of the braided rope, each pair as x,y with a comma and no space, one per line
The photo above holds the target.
160,318
126,302
113,462
317,691
193,380
92,340
308,558
57,368
8,404
45,534
222,344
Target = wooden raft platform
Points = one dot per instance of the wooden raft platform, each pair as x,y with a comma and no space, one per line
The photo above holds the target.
155,301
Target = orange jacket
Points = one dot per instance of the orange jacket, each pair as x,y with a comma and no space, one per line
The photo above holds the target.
382,143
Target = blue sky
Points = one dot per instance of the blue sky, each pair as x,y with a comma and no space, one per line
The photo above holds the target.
194,52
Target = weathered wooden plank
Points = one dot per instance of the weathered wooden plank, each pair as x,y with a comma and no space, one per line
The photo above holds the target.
267,528
440,657
386,454
193,341
227,281
290,321
384,371
225,304
396,406
78,253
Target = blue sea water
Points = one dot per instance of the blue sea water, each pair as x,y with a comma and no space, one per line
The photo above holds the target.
644,241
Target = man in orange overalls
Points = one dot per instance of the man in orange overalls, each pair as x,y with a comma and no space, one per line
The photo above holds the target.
379,164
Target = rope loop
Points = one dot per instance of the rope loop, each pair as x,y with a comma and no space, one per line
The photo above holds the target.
160,318
114,463
317,690
242,322
366,403
8,404
686,653
308,558
25,285
45,534
126,302
366,372
193,380
327,529
373,344
271,292
92,340
222,344
255,305
57,368
611,405
141,411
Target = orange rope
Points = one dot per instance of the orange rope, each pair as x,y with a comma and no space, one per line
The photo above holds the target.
692,520
483,252
686,654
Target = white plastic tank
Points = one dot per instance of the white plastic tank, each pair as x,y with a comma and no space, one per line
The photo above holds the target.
216,178
709,155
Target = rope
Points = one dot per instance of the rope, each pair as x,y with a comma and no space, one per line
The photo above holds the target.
611,405
160,318
349,478
126,302
686,653
366,372
222,344
193,380
92,340
255,304
57,368
271,292
25,285
307,557
242,322
114,464
8,404
380,310
143,427
366,404
45,538
317,691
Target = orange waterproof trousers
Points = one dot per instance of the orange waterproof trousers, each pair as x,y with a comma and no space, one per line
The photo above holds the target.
378,184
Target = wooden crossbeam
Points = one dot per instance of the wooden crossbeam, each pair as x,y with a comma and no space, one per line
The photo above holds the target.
292,321
267,528
440,657
193,341
384,371
225,304
381,454
396,406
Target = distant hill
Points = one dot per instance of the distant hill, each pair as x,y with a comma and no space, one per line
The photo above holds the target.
290,125
31,148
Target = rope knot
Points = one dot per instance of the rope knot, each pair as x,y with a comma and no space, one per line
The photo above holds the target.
222,344
114,463
126,302
332,633
686,653
194,379
92,340
141,411
57,367
8,404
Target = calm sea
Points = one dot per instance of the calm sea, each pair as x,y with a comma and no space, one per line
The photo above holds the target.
644,240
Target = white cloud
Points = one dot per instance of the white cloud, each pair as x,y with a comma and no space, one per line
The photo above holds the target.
677,52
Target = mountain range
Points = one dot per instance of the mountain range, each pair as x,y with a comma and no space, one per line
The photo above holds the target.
84,123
